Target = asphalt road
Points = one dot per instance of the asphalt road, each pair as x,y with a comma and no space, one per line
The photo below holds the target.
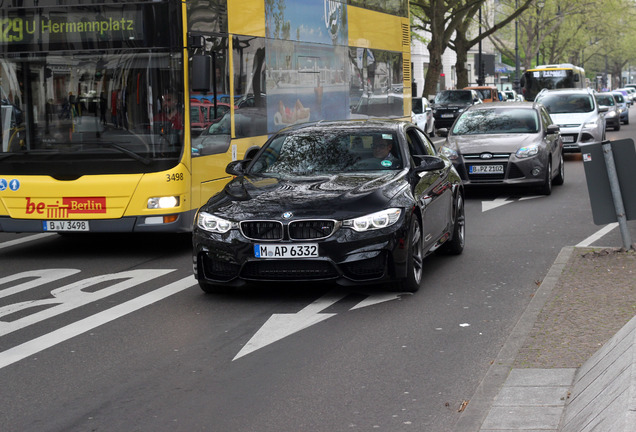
110,332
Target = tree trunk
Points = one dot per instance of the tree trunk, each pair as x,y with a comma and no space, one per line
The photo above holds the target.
461,47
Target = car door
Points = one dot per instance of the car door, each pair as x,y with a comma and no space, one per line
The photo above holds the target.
433,191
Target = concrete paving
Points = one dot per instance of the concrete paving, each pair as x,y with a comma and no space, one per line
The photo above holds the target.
598,395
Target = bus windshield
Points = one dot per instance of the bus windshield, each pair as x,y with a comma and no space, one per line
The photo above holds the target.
533,81
71,113
71,109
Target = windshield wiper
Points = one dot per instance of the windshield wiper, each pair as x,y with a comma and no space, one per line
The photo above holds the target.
124,150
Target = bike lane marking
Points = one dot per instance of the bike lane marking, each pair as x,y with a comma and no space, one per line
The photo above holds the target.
24,240
65,333
72,296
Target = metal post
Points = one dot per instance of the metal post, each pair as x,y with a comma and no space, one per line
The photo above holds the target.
616,195
480,77
517,89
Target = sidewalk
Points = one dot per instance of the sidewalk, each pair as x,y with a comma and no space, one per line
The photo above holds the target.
588,295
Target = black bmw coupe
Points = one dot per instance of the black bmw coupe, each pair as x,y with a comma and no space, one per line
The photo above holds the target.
353,202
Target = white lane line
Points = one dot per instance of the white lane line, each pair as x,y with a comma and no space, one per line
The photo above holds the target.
41,343
24,240
597,235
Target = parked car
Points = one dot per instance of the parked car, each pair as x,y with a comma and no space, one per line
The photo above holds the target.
511,96
627,96
486,93
622,103
631,92
449,104
612,114
506,143
202,114
577,114
354,202
422,115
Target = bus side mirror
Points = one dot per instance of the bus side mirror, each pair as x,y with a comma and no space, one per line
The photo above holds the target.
577,78
201,73
522,82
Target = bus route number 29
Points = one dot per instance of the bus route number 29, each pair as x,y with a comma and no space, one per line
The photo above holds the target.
174,177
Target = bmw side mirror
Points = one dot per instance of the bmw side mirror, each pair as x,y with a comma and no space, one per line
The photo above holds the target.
429,163
235,168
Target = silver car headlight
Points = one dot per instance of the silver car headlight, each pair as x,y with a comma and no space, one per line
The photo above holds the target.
373,221
590,125
448,152
209,222
610,114
528,151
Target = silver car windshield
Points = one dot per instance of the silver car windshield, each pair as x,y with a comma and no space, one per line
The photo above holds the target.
497,121
567,103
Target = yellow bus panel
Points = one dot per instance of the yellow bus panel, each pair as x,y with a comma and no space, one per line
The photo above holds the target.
246,17
370,29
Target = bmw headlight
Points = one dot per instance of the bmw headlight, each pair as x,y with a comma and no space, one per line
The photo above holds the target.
525,152
449,152
373,221
209,222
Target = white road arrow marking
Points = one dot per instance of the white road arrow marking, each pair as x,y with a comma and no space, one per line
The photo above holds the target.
498,202
489,205
62,334
279,326
373,300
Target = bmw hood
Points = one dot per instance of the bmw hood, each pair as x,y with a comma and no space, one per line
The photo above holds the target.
499,143
330,196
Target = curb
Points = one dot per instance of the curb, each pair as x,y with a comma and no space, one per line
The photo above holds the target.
475,413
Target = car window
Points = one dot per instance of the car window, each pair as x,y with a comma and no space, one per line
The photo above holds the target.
605,100
417,106
332,151
416,146
558,103
547,120
456,96
427,143
497,121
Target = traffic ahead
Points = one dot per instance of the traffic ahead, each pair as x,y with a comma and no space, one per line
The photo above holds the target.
111,332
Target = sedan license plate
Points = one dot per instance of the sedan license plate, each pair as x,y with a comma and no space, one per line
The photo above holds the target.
567,138
66,225
486,169
447,115
305,250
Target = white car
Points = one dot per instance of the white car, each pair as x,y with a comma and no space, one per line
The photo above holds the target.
578,115
422,115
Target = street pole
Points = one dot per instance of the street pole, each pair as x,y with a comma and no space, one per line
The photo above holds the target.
517,89
480,77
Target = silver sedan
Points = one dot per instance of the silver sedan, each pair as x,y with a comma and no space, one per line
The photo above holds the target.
506,144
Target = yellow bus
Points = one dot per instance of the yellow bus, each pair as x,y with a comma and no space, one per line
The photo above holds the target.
95,121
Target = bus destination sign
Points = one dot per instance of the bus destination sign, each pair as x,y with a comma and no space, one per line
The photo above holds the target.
60,27
550,73
14,30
